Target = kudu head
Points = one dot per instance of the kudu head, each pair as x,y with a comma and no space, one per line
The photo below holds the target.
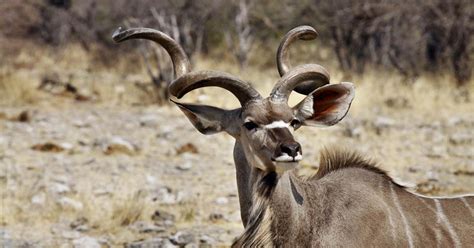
263,126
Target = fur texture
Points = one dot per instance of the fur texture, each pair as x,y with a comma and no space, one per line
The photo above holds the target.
339,159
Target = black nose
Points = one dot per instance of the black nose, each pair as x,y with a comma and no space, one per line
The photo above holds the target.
291,148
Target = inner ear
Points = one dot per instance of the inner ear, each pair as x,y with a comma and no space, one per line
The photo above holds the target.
208,119
327,105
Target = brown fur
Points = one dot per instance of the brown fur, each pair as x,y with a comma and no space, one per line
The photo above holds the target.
338,159
258,232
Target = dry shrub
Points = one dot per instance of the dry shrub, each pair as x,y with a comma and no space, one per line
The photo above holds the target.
129,210
411,36
16,89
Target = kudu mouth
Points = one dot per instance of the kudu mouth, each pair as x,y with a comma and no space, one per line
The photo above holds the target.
285,158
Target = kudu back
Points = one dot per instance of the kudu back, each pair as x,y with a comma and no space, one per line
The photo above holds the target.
349,202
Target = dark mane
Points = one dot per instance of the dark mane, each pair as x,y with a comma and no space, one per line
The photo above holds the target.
257,232
339,159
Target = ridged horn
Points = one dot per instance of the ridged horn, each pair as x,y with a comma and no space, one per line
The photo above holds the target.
283,57
194,80
179,58
296,76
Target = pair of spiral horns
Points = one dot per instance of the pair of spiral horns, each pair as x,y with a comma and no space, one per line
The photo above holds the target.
303,79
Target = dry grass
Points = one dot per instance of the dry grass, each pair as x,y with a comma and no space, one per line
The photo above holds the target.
111,86
378,93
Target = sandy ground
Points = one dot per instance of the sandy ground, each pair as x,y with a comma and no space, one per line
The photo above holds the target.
112,176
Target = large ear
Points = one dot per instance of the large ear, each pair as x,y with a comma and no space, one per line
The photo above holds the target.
206,119
326,105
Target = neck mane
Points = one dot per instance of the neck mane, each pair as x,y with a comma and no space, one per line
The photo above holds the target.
257,231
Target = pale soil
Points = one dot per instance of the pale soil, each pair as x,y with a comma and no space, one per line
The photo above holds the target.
433,151
108,168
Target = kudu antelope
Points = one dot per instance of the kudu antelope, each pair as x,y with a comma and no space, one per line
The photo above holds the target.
348,203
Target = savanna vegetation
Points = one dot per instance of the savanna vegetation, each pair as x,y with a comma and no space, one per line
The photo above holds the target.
92,154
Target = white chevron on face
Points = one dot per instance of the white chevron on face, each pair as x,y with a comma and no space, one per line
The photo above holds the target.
277,124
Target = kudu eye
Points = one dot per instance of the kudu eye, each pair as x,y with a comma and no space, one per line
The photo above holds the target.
295,123
250,125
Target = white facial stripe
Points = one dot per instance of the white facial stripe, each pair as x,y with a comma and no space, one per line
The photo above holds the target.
287,158
277,124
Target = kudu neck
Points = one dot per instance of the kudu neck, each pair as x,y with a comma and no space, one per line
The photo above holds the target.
254,183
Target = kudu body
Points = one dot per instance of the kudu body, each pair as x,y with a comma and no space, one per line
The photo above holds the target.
348,203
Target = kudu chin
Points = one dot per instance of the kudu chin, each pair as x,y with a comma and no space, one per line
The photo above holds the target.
349,202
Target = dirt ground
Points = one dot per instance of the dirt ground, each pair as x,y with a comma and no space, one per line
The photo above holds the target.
80,174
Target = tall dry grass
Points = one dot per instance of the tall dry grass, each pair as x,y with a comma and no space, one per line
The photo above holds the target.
20,79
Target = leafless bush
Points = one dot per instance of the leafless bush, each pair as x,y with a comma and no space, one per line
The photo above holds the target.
411,36
189,32
243,32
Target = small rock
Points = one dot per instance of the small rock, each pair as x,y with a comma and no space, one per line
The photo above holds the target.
182,238
151,179
102,191
38,199
383,122
145,227
183,196
222,201
462,152
159,215
86,242
151,243
69,203
66,145
81,124
162,218
432,175
59,188
461,138
436,152
24,116
119,89
119,145
165,196
187,148
205,239
149,121
70,234
185,166
80,224
428,187
7,243
397,102
61,179
353,132
215,217
234,217
48,147
453,121
463,172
